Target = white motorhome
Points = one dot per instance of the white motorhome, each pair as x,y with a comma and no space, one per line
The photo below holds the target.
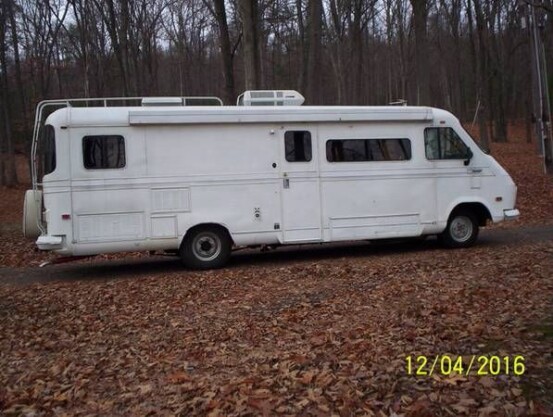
200,180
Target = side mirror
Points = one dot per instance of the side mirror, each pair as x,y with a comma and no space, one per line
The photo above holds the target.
469,157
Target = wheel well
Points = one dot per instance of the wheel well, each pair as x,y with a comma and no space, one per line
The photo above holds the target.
478,209
203,225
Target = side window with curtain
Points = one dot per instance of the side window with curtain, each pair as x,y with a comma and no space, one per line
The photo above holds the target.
444,143
104,152
297,145
368,150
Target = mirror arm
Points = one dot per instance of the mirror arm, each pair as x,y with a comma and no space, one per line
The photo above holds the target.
466,162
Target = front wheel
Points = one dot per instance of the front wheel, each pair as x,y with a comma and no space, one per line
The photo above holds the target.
461,230
206,248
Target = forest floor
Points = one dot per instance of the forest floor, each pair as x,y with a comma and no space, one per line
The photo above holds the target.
313,331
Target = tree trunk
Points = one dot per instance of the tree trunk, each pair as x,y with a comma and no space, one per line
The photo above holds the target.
482,79
420,16
8,174
357,53
528,120
226,50
250,30
314,16
500,121
302,82
118,37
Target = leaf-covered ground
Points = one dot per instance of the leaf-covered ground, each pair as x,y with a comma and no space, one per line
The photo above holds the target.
312,335
314,332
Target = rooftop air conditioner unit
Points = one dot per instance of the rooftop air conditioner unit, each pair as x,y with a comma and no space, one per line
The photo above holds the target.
270,98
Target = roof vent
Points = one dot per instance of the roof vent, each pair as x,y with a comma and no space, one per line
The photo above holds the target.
270,98
162,101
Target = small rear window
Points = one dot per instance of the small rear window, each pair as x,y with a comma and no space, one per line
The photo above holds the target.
47,152
104,152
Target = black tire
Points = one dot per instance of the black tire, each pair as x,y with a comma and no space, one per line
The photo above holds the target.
206,247
461,231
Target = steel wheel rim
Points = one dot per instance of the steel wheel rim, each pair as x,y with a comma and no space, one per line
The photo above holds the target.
206,246
461,229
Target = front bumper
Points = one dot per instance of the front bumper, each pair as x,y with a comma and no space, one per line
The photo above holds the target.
511,214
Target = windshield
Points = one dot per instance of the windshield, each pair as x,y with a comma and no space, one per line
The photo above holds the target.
46,155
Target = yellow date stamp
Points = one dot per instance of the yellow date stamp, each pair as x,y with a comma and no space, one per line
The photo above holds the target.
450,365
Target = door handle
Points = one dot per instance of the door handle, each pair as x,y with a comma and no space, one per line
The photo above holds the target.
475,170
286,182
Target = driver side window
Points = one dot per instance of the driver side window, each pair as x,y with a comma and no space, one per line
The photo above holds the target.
444,143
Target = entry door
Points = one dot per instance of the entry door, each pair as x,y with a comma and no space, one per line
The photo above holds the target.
300,194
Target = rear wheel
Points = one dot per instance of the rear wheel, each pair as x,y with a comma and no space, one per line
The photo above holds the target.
461,230
206,247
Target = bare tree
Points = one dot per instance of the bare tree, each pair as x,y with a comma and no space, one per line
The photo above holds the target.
8,173
463,55
42,22
420,17
481,61
218,10
249,15
116,18
315,23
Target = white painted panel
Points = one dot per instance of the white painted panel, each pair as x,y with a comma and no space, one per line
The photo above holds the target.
164,227
301,210
375,227
235,206
98,200
378,197
110,227
370,232
310,234
454,183
171,199
375,221
210,152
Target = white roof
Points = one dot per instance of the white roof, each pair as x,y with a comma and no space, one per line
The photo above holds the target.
125,116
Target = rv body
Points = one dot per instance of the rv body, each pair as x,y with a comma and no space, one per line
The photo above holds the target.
153,178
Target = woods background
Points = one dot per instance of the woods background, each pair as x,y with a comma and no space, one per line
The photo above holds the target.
455,54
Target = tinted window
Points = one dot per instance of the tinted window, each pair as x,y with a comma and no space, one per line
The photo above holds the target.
47,152
357,150
444,143
103,152
297,146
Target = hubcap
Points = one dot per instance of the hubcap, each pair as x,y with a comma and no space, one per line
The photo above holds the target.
461,228
207,246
